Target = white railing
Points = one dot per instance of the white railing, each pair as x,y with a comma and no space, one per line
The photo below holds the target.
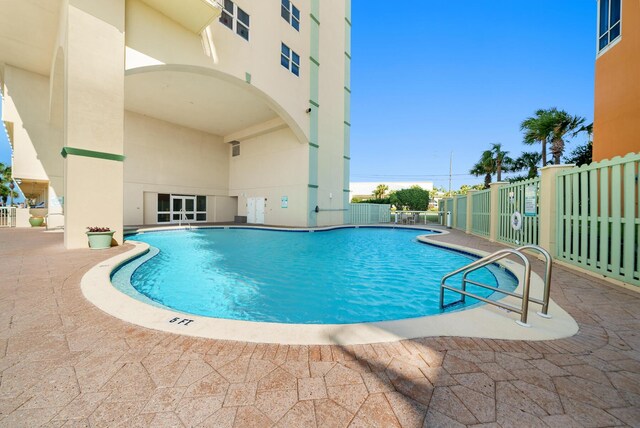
7,216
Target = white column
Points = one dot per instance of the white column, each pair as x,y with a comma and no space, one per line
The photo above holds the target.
469,210
94,118
548,207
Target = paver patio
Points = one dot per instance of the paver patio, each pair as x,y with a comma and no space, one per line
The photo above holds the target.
65,363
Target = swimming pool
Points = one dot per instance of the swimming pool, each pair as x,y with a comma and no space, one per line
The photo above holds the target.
340,276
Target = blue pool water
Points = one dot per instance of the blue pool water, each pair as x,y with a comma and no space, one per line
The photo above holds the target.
332,277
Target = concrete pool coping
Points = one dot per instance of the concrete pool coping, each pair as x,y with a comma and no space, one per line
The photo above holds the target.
484,321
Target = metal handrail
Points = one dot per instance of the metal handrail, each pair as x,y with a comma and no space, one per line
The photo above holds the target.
183,216
547,278
492,258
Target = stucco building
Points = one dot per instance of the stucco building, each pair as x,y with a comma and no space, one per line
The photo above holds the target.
129,112
616,124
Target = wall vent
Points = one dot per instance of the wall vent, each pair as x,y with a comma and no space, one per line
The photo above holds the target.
235,148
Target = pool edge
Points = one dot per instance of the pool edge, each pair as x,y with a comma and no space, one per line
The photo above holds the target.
483,321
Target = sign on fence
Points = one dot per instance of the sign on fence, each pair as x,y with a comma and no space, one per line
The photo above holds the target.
530,200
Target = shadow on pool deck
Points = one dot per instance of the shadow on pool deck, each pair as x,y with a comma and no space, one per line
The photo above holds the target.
63,361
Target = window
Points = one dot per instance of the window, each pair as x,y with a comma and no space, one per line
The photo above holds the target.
164,209
291,14
608,22
180,208
235,19
201,208
290,60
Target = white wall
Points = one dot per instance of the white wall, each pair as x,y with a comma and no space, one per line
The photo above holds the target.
222,209
37,144
271,166
162,157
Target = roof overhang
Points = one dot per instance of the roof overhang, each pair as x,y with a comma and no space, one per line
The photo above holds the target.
28,31
193,100
194,15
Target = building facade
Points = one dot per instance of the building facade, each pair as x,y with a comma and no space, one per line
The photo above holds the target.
616,124
130,112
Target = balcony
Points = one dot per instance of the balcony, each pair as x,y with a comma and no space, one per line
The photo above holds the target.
194,15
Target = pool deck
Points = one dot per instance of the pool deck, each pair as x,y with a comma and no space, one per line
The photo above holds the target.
64,362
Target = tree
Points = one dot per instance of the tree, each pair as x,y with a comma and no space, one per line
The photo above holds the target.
538,129
6,179
528,161
581,155
464,189
563,124
380,191
415,199
501,160
485,166
492,161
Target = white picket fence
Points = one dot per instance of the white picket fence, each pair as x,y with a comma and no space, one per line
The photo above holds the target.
7,217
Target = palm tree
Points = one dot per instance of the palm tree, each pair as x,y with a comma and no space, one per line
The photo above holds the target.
380,191
528,161
588,129
492,161
501,160
538,129
485,166
563,124
6,182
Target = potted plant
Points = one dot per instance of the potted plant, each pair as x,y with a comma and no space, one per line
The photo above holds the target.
36,221
100,237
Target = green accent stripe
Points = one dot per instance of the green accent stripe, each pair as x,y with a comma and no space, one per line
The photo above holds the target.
346,190
346,157
315,61
347,89
247,77
314,18
348,21
314,103
91,154
314,145
312,186
347,54
347,123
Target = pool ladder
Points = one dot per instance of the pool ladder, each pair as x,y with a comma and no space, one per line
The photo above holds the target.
492,258
183,217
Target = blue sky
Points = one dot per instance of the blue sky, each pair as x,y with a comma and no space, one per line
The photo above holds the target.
434,77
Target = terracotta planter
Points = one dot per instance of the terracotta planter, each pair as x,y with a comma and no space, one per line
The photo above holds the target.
100,240
36,221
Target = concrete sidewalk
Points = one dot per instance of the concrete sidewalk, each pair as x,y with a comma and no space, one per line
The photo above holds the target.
63,362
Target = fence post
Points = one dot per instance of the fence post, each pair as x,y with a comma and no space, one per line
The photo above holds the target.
548,206
454,210
494,210
469,211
